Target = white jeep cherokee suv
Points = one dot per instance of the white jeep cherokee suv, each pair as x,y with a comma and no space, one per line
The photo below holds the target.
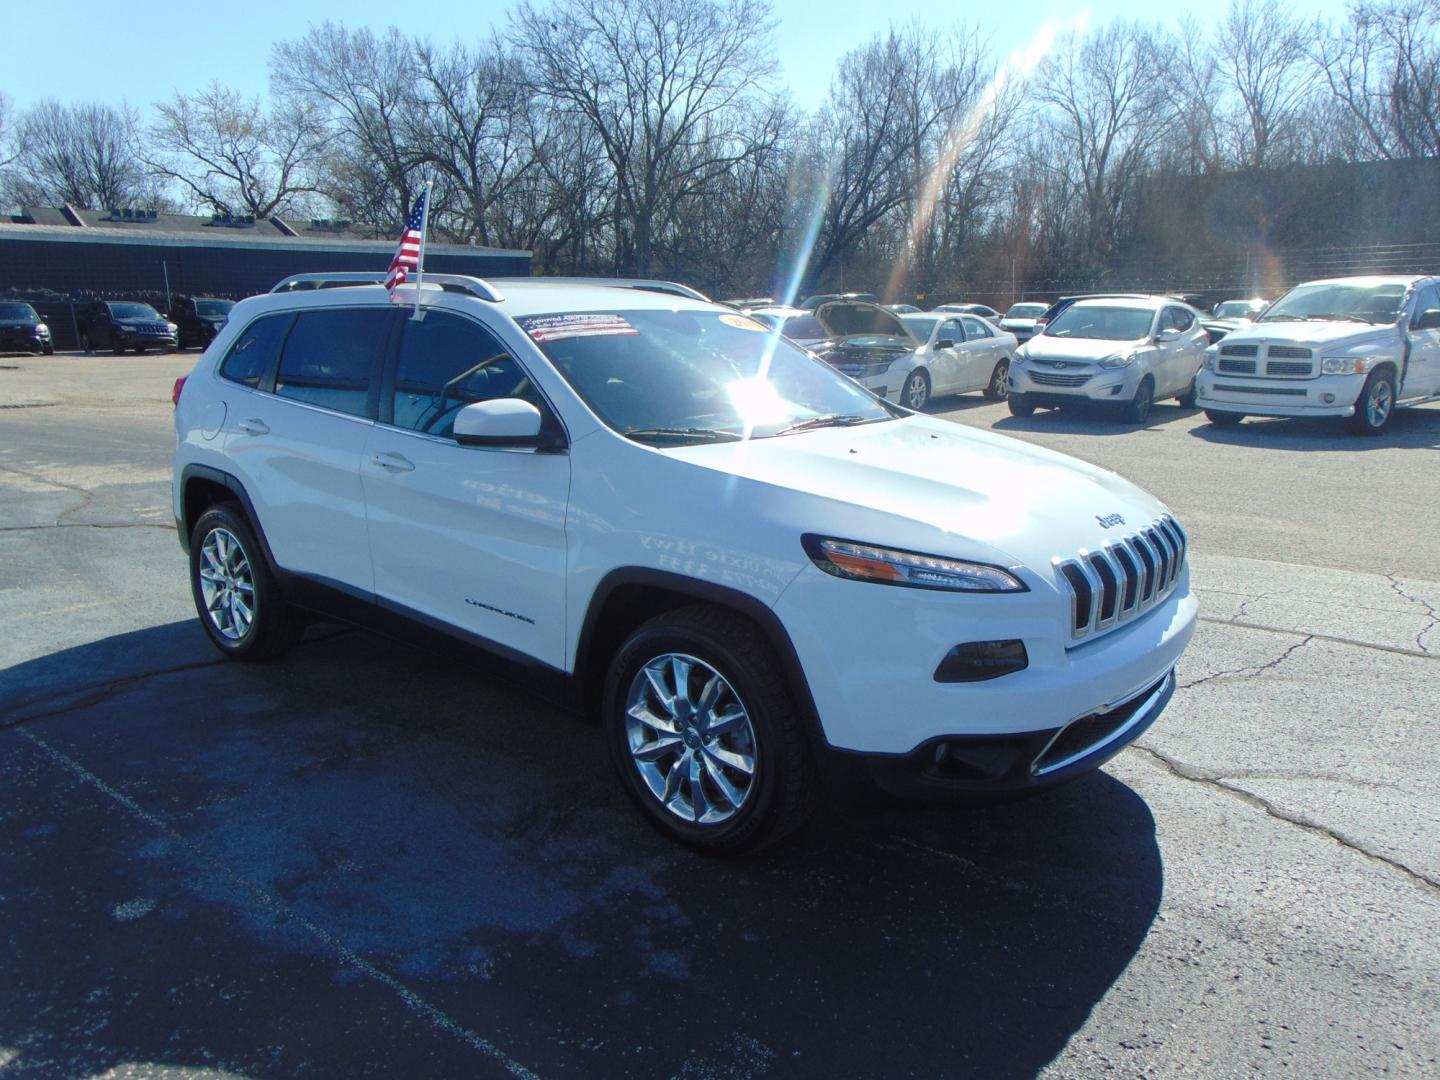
744,564
1344,347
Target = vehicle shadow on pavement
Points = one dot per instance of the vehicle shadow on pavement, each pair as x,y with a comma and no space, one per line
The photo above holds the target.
1085,419
369,860
1411,429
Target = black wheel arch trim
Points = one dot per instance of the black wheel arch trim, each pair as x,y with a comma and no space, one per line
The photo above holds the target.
700,590
231,483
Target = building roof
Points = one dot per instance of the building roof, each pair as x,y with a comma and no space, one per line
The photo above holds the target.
184,230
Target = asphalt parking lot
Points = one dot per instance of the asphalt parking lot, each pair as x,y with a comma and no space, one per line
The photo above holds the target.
367,860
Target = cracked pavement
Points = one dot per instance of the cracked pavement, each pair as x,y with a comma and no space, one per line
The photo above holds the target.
364,860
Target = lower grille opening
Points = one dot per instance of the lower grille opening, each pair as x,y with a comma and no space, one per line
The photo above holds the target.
1090,732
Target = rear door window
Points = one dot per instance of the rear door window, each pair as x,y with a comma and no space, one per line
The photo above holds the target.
976,329
332,358
251,360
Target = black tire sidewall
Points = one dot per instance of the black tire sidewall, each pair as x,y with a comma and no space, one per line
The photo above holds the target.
750,822
269,607
995,389
1137,410
1020,405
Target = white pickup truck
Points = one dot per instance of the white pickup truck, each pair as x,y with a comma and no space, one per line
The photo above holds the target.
1346,347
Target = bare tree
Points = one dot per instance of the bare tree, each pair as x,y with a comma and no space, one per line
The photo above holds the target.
86,155
1383,66
364,87
1262,52
1108,106
671,87
473,125
7,130
233,155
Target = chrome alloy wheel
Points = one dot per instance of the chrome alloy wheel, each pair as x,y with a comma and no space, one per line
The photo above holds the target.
227,584
690,737
1378,402
1000,381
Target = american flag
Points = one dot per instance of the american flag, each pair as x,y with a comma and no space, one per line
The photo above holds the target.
407,255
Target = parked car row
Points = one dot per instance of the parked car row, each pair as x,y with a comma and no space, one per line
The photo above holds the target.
117,325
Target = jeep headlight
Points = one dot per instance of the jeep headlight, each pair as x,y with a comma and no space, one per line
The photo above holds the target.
1342,365
1118,361
887,566
172,327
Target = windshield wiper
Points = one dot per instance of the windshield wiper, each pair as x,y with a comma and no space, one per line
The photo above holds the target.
831,420
697,434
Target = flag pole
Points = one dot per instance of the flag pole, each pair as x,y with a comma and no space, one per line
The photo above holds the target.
420,258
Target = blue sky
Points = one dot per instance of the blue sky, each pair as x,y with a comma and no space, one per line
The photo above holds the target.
141,51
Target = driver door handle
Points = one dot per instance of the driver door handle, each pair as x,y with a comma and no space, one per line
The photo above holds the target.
393,462
254,426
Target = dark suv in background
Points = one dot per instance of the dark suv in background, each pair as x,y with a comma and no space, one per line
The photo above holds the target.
124,324
22,330
199,319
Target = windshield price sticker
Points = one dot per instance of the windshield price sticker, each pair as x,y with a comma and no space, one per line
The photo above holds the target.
548,328
740,322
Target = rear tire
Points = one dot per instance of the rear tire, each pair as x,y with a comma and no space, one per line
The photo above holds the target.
1020,405
236,597
686,772
998,389
1188,399
1223,419
1375,405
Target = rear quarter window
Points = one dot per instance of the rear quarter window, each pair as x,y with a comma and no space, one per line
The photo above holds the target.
252,358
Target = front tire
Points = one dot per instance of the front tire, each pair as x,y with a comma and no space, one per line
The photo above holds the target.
704,734
236,596
1375,405
998,389
1189,398
1020,405
916,391
1223,419
1137,409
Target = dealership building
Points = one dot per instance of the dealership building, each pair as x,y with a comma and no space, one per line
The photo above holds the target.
51,255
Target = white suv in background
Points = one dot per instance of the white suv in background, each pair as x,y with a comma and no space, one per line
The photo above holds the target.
740,562
1125,352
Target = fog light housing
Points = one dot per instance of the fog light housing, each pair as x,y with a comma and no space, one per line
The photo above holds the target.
979,661
1329,399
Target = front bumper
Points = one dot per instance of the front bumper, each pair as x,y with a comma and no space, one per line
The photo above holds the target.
1220,392
870,663
1101,384
973,765
130,339
23,339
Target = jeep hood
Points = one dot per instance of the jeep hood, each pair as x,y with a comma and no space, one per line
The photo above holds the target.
933,486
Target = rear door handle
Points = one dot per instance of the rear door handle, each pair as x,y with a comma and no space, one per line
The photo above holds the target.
254,426
393,462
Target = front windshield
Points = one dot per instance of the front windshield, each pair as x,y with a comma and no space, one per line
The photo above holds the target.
17,311
1102,323
133,311
1026,311
1235,309
676,377
1344,303
213,308
921,328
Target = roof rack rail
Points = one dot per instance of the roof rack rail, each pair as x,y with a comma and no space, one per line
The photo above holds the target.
475,286
672,288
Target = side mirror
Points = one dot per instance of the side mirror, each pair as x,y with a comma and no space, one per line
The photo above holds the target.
1168,334
1429,319
945,343
502,422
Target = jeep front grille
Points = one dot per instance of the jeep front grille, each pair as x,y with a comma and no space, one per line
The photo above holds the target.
1288,352
1237,367
1124,579
1239,350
